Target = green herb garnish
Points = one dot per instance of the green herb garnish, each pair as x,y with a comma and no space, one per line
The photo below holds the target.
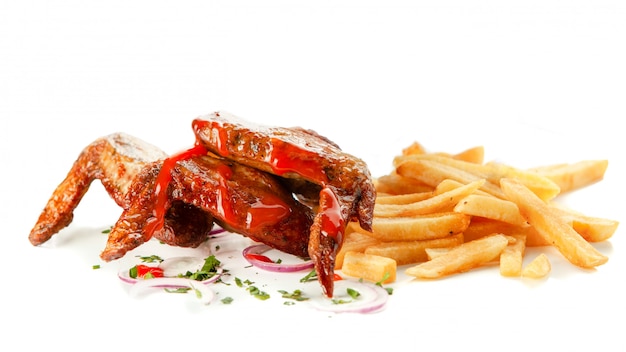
208,270
295,295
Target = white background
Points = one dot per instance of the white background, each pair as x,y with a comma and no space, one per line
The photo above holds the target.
534,82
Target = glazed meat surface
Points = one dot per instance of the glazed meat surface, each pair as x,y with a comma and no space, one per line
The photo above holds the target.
318,169
239,198
295,153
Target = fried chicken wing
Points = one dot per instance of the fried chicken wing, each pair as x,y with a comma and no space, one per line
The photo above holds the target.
241,199
290,188
341,181
115,160
199,191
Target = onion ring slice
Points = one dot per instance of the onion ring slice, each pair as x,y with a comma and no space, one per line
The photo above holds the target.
172,267
372,298
250,253
204,293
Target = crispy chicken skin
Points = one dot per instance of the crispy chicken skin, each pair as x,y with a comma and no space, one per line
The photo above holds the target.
239,198
343,182
115,160
202,191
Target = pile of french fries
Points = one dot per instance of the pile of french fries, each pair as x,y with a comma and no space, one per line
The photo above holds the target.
439,214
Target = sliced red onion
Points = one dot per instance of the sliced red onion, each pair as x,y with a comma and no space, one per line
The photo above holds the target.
180,265
259,249
172,267
205,294
217,231
372,298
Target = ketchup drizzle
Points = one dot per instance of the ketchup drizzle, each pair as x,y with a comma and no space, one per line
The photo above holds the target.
162,182
266,211
285,157
332,223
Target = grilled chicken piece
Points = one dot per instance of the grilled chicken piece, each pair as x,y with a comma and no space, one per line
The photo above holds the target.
315,165
239,198
115,160
198,191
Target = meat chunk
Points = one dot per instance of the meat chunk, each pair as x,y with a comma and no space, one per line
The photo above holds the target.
316,165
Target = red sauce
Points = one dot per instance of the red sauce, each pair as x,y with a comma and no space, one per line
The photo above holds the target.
218,136
223,204
332,222
286,157
266,211
162,182
259,257
282,156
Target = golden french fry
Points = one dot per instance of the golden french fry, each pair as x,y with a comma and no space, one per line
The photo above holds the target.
491,208
574,176
552,227
544,187
474,155
407,198
481,227
369,267
432,173
538,267
432,253
439,203
354,241
461,258
419,227
512,257
448,185
414,149
397,184
410,252
592,229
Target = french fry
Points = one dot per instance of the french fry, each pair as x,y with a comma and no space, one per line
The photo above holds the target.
354,241
480,227
538,267
544,187
439,203
397,184
414,148
448,185
369,267
592,229
574,176
419,227
511,258
433,172
491,208
474,155
462,258
552,227
407,198
432,253
411,252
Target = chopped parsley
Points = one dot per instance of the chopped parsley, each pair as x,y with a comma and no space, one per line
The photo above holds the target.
208,270
150,259
253,290
311,276
296,295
